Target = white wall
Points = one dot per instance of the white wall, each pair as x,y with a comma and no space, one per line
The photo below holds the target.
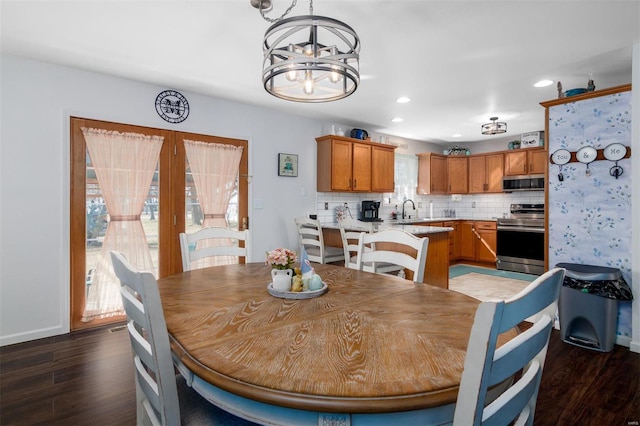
37,101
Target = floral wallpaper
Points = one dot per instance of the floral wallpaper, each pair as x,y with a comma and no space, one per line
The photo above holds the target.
589,209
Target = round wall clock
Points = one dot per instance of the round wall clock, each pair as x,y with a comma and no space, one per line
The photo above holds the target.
172,106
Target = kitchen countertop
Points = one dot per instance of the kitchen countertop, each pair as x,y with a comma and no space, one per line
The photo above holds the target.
405,226
435,219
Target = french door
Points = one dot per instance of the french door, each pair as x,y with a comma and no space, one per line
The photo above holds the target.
170,208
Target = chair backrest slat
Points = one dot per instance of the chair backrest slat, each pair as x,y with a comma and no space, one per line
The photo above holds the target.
371,250
311,238
213,242
350,230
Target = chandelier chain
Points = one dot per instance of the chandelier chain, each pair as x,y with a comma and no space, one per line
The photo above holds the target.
286,12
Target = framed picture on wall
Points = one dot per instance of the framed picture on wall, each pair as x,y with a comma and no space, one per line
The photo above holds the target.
287,165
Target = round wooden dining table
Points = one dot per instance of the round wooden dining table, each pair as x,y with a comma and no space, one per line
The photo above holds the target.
373,349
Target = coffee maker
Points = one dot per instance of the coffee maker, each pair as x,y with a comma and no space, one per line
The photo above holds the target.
370,211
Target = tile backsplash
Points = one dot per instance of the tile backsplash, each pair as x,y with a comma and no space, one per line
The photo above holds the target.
469,206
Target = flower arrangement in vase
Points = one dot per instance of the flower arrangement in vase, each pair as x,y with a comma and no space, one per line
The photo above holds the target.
281,258
281,261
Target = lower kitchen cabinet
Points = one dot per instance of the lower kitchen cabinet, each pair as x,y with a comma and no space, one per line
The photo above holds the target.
453,247
468,245
466,241
488,233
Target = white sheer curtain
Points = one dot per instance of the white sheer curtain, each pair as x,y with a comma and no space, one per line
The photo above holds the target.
124,164
406,176
214,168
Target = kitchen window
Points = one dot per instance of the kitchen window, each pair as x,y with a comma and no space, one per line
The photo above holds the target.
405,176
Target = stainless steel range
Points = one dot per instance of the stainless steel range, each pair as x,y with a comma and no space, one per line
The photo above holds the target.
520,245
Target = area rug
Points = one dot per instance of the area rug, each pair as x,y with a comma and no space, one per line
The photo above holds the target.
486,287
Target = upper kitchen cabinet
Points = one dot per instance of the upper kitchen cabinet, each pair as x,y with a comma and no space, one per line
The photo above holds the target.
457,175
432,174
485,173
525,161
442,174
382,169
353,165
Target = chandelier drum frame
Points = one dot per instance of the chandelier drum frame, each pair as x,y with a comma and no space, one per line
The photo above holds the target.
328,72
494,128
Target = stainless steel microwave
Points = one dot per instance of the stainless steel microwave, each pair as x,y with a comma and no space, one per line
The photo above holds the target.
523,183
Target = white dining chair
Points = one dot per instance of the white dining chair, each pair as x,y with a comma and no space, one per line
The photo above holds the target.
500,385
311,238
162,397
393,246
214,242
350,230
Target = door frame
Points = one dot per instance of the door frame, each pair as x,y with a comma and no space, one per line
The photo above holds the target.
171,167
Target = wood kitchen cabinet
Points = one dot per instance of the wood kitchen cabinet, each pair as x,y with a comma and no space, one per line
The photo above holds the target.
457,175
453,247
466,240
352,165
485,173
441,174
432,173
382,169
488,232
469,244
525,161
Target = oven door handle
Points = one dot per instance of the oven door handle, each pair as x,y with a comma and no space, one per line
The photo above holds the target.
521,229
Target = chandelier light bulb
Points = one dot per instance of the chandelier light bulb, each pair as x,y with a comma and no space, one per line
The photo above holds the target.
308,82
292,75
308,49
334,76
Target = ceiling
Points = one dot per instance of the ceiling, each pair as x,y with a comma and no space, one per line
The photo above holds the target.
461,62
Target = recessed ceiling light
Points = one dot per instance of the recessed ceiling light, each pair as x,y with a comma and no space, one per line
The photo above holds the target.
397,120
543,83
456,135
403,99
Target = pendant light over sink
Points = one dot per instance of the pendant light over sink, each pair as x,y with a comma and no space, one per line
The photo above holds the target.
309,58
495,127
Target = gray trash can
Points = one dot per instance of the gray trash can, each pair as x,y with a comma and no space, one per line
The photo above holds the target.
588,305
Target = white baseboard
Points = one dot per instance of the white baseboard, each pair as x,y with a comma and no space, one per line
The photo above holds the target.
623,341
31,335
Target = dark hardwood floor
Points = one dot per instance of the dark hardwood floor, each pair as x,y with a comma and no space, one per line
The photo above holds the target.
86,378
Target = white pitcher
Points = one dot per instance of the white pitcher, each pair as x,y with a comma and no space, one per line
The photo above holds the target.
281,279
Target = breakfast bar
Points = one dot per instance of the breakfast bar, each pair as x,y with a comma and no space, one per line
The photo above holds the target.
437,268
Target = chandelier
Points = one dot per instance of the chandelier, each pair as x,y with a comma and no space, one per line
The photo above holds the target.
309,58
494,127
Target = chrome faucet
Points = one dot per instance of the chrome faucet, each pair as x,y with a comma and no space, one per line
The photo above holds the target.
405,202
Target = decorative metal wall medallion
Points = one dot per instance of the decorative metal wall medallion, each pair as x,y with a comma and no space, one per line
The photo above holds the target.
172,106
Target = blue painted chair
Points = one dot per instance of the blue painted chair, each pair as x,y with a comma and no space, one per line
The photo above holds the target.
500,385
162,398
